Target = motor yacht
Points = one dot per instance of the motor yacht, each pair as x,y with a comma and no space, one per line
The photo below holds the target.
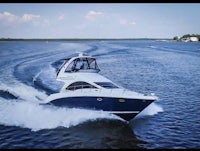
84,87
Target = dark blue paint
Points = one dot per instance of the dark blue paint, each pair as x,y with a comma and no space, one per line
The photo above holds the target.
107,104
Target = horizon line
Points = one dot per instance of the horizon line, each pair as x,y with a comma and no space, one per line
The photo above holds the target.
79,38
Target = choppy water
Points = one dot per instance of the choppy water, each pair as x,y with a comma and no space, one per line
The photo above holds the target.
171,70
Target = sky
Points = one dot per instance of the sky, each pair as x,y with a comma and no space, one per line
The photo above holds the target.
98,20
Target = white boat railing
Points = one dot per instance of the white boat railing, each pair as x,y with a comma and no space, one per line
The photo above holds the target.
92,88
80,87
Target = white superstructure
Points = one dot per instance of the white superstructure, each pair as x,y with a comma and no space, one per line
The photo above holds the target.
86,87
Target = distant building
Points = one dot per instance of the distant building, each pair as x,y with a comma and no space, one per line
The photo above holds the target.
194,39
189,39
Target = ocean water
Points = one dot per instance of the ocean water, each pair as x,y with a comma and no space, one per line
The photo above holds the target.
169,69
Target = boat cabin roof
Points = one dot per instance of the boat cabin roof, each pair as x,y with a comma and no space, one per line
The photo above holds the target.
80,63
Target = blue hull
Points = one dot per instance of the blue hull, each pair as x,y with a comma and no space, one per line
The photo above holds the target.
125,108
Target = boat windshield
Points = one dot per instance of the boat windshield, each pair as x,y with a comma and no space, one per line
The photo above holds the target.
83,64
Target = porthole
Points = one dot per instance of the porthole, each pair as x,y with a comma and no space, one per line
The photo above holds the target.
121,100
99,99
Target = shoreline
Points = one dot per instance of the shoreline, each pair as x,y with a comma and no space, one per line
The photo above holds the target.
77,39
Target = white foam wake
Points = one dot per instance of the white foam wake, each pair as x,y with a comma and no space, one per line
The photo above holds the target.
152,109
36,117
24,92
48,78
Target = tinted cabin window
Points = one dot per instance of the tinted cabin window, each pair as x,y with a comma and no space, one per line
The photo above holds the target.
79,85
108,85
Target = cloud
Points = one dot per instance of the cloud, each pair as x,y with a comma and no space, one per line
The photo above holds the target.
7,17
29,17
61,17
123,21
132,23
126,22
92,15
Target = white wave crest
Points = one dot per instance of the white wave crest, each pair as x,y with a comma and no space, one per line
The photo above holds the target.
152,109
24,92
36,117
48,78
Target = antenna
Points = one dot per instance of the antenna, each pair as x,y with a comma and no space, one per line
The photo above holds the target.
80,54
